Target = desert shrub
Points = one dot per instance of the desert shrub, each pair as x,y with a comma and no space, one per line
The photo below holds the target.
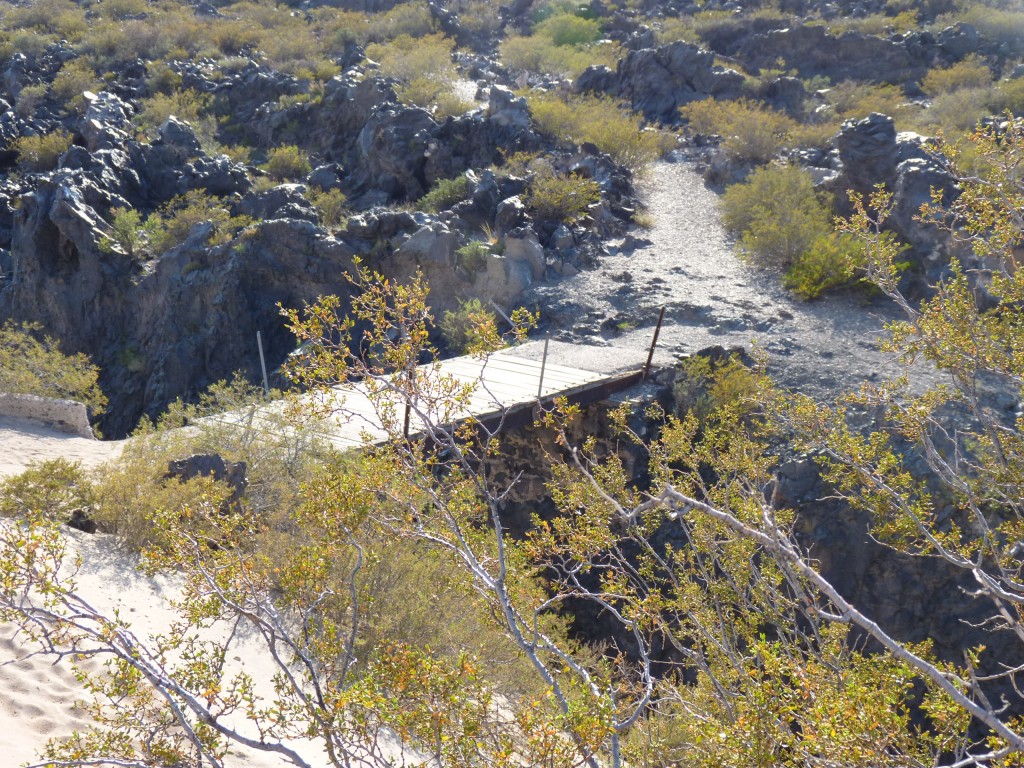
423,66
465,328
126,233
829,262
1002,25
170,226
444,194
29,99
1008,95
706,385
58,17
73,78
41,153
601,120
957,111
30,44
412,19
478,17
879,24
972,72
775,214
750,132
31,363
330,206
54,489
119,10
288,162
553,197
850,99
109,44
538,53
189,105
568,29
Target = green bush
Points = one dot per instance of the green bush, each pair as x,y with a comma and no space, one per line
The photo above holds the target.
285,163
562,198
29,99
780,222
422,65
31,363
828,263
972,72
126,233
189,105
330,206
41,153
54,489
538,53
73,78
775,214
170,226
568,29
750,132
444,194
604,122
465,328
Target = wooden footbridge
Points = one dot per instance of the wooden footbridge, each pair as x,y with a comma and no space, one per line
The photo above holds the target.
499,391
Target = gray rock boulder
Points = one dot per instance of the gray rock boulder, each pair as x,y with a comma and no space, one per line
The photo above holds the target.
657,81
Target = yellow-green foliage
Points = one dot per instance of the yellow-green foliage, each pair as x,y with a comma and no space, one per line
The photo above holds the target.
705,386
604,122
170,226
877,23
41,153
422,65
29,99
32,363
539,54
54,489
972,72
554,197
775,214
288,162
1003,23
126,232
444,194
750,131
463,329
73,78
782,223
189,105
330,206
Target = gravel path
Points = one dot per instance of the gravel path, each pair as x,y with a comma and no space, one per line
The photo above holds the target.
607,314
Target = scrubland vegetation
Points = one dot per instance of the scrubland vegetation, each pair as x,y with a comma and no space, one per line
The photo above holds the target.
674,615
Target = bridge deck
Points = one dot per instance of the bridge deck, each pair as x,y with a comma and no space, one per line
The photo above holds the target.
485,389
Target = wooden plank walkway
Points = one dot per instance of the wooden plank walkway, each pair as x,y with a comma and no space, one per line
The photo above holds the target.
490,390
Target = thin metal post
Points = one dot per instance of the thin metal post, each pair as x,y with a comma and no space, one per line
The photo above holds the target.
263,365
543,365
654,342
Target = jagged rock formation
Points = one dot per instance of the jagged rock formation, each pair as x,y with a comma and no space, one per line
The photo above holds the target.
657,81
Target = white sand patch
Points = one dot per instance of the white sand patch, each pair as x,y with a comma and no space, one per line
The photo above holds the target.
24,442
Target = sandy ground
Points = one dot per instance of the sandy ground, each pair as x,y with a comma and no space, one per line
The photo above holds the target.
38,698
23,442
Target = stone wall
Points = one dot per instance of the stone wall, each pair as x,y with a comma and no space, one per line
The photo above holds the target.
66,415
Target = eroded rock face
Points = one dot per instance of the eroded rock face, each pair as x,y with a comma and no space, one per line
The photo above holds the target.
657,81
172,326
871,152
812,51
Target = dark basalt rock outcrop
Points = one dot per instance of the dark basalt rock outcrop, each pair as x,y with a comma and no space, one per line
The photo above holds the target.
812,51
657,81
871,152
